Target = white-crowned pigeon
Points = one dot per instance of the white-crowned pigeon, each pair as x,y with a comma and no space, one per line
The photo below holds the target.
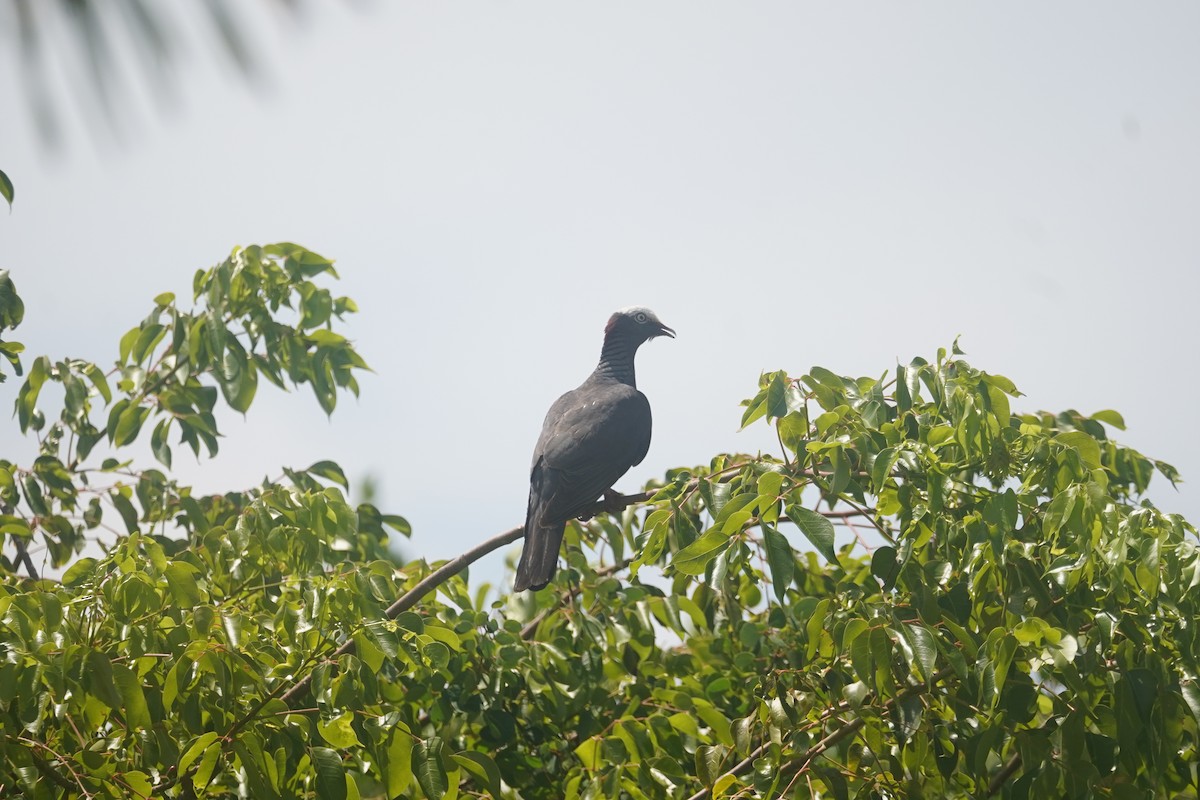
591,437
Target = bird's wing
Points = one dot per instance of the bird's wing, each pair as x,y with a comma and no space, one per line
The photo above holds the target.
590,439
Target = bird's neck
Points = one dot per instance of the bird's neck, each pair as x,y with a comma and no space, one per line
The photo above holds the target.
616,360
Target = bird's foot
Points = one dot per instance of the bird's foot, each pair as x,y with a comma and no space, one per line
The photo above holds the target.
614,502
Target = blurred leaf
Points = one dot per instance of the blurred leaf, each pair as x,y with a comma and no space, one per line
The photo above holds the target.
1089,449
482,767
338,732
399,762
331,472
884,566
331,774
180,577
12,308
1111,417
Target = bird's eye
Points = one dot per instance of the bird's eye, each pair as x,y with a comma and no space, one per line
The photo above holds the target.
640,317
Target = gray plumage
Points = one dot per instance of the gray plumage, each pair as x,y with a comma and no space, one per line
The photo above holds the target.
591,437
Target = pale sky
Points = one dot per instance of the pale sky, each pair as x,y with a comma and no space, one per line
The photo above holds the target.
787,184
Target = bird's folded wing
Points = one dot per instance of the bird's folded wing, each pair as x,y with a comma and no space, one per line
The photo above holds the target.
589,444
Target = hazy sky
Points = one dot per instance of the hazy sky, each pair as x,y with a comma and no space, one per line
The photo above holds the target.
787,184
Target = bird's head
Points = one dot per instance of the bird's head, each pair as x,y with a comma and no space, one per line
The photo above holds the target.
638,323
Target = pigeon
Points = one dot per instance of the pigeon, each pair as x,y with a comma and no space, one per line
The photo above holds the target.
591,437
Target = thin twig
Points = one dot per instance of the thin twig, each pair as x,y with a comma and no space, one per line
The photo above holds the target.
46,769
870,518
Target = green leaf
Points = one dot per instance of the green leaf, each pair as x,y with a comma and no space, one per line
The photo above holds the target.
755,408
1089,448
827,420
684,723
208,764
133,699
482,767
195,750
882,469
428,767
793,431
158,442
590,753
1191,696
338,731
129,424
399,761
331,774
781,560
735,513
6,190
330,471
397,523
79,572
245,388
12,308
437,654
28,395
723,785
125,346
693,559
125,509
742,741
818,530
1111,417
924,648
1000,407
100,679
884,566
709,759
182,580
147,339
139,784
841,471
777,395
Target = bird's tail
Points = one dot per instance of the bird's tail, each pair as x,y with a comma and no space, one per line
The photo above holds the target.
539,555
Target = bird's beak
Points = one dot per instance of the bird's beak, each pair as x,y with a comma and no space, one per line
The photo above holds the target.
663,330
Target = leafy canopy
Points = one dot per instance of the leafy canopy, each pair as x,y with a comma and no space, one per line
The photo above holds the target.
920,594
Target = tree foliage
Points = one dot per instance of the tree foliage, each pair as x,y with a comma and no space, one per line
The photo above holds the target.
920,594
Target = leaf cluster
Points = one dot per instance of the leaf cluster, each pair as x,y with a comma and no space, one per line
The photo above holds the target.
920,594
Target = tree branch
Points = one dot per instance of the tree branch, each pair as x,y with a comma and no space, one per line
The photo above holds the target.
410,598
456,565
1007,771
